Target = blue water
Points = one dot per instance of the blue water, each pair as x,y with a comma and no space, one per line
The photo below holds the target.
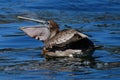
20,55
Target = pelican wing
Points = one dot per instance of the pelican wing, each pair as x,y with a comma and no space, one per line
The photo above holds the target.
65,37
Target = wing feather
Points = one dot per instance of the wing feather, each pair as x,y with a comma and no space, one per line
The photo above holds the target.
64,37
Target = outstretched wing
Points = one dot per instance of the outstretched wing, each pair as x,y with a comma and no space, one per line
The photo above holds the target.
37,32
65,37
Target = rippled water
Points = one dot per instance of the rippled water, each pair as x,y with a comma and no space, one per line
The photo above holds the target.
20,55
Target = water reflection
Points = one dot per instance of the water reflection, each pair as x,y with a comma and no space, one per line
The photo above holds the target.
69,65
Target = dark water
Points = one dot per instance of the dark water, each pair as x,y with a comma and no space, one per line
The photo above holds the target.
20,55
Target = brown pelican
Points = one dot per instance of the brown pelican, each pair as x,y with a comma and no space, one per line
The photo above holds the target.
64,43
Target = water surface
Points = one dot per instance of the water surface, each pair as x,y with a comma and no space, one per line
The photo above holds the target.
20,55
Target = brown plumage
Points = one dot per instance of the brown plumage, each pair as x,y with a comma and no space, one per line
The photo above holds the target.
64,43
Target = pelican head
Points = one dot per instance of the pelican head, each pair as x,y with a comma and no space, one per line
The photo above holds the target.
43,32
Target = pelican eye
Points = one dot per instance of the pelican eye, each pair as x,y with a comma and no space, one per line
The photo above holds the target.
47,23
